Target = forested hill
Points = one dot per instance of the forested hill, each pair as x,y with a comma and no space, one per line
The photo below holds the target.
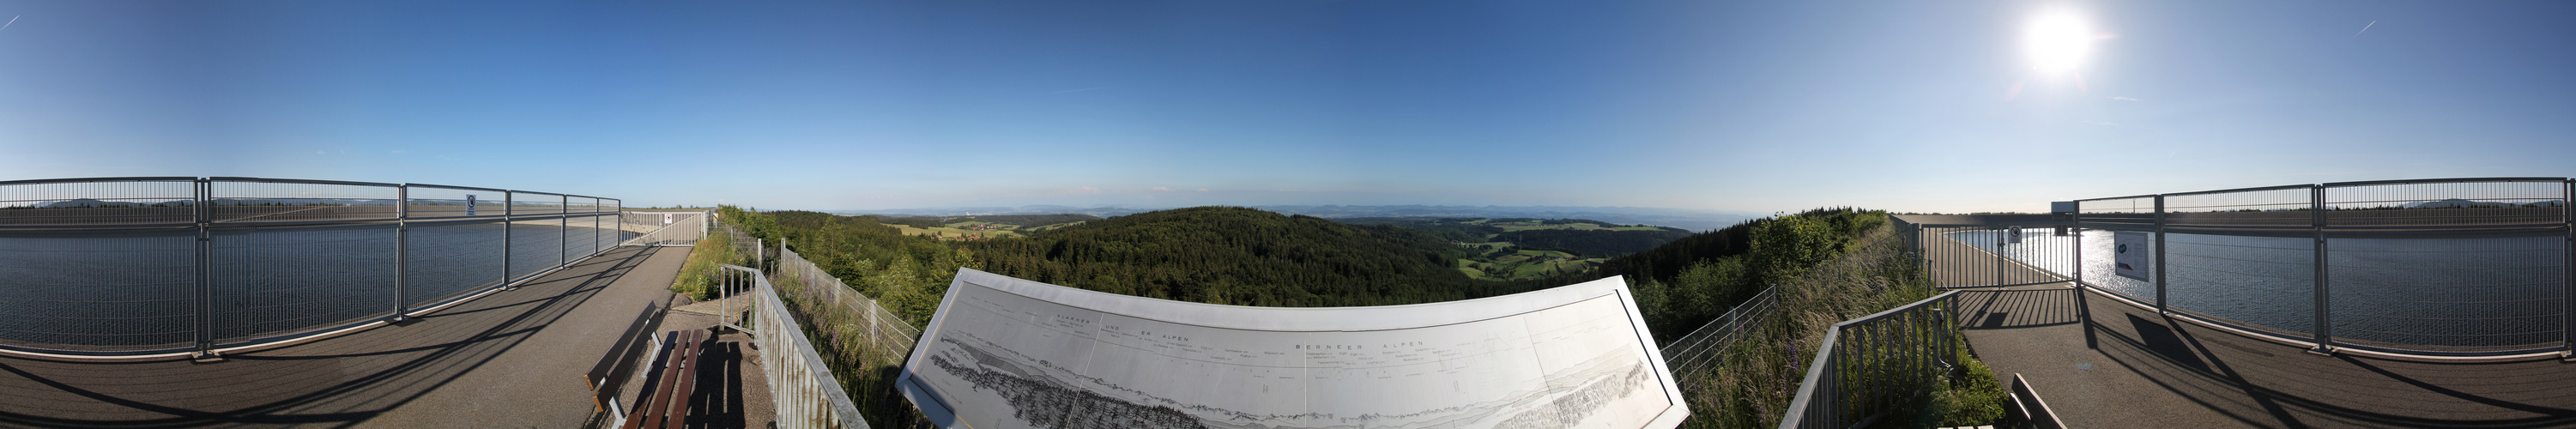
1689,281
1241,256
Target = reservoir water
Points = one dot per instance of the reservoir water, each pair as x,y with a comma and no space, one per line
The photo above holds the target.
2481,292
137,290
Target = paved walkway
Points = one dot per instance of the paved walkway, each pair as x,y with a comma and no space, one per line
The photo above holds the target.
2101,362
510,359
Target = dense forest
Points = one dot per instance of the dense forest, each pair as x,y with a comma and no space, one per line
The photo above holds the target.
1242,256
1234,255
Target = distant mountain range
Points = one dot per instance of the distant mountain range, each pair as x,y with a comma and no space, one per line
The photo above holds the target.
1696,220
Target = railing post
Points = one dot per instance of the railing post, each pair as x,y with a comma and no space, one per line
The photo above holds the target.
1999,255
2317,208
2567,269
402,245
509,203
2075,224
563,229
2160,255
205,270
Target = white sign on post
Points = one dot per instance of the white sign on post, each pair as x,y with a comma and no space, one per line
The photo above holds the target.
2129,254
666,218
469,204
2013,234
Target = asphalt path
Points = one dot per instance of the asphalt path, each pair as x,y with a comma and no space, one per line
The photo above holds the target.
511,359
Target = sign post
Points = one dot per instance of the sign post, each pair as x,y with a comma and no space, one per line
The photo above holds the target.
469,204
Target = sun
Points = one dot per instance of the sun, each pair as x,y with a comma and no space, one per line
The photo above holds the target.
2057,42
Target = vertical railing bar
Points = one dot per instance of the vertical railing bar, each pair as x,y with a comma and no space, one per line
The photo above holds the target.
509,206
2317,208
2160,256
2567,270
402,248
205,262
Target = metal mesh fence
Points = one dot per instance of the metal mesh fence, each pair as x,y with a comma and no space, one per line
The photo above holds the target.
2440,267
98,289
2447,266
159,265
449,260
277,281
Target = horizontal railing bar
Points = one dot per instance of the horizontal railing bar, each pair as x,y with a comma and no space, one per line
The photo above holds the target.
100,179
301,181
1897,310
2453,180
460,188
2223,191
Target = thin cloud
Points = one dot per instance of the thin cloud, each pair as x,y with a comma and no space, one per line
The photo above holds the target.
1069,91
2364,27
13,20
2124,99
1162,189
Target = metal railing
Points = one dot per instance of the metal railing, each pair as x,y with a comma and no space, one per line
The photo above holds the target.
683,229
160,266
2442,268
1693,354
803,389
1875,364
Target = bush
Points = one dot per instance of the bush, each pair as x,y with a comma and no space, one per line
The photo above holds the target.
1970,397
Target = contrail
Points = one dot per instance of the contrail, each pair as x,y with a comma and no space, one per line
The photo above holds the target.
12,21
2364,27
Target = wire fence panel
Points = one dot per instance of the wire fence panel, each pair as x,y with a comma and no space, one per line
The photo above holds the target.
98,290
805,391
2116,231
244,200
1691,356
98,202
449,260
443,202
275,281
2448,266
535,245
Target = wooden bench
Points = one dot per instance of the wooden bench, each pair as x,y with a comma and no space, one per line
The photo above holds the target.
667,404
613,369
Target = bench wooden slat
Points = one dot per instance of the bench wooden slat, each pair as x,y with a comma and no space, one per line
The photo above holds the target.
657,402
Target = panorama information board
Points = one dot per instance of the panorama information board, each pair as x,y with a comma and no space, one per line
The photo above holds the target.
1005,353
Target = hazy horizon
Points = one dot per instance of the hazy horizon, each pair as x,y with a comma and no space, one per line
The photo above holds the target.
1750,108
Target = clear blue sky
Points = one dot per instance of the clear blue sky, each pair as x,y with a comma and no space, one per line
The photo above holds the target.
1742,106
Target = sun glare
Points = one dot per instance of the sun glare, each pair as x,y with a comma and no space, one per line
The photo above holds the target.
2057,42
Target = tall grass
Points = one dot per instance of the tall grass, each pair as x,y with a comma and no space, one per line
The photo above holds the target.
697,276
865,370
1752,385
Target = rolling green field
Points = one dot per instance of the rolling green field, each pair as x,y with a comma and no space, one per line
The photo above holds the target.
1521,264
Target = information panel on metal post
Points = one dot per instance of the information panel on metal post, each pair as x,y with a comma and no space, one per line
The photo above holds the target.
1003,353
2129,254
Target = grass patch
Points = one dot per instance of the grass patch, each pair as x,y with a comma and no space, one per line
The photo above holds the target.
697,275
